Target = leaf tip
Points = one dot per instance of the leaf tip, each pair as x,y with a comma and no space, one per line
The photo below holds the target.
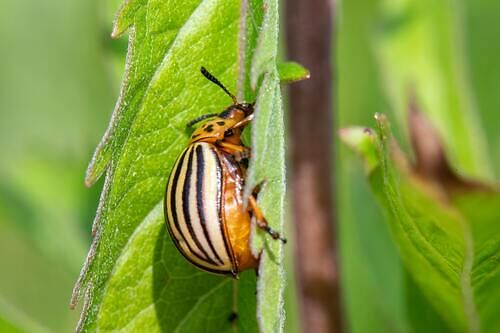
97,165
89,181
355,135
290,72
124,18
116,32
383,126
118,28
380,118
363,141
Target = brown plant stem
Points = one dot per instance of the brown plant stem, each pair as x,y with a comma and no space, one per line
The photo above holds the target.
309,32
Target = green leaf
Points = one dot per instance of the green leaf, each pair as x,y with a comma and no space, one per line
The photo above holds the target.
267,168
450,248
362,141
134,277
483,211
161,293
290,72
264,58
252,22
151,38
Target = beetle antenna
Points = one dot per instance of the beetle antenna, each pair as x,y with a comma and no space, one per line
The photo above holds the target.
200,118
217,82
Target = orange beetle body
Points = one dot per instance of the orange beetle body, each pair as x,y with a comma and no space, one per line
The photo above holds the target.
204,207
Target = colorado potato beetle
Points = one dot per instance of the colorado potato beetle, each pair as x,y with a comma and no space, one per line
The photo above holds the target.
204,209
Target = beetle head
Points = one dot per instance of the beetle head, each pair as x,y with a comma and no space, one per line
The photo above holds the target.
226,125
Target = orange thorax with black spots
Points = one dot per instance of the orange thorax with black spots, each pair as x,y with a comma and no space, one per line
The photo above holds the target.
223,127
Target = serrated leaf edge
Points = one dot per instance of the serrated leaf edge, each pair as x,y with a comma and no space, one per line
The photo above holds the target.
118,30
95,170
106,143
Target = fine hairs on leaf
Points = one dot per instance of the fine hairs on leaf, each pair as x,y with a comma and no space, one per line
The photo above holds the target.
134,279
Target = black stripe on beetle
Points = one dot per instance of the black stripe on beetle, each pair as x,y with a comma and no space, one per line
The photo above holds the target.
200,173
173,203
185,208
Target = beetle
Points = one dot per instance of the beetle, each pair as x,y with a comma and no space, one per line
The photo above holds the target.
203,205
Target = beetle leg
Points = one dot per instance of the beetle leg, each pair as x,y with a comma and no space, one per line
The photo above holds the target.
239,152
261,220
242,154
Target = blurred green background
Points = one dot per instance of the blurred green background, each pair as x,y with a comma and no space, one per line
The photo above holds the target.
446,50
59,79
58,86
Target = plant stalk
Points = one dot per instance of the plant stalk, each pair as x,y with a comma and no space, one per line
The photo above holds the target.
309,36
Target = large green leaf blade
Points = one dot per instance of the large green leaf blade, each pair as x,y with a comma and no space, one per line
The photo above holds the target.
159,292
155,133
130,283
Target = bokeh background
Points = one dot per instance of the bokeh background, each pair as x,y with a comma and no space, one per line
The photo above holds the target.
59,79
58,84
451,46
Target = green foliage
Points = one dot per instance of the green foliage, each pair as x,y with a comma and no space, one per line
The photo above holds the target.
450,247
134,277
291,72
268,153
152,289
267,167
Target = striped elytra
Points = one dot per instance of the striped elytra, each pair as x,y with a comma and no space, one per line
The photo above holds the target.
204,210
